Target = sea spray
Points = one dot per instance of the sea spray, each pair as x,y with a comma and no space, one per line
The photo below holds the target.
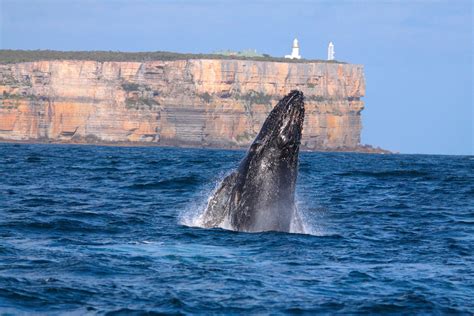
192,215
313,220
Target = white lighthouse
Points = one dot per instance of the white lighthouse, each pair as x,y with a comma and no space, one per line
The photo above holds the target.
331,51
295,51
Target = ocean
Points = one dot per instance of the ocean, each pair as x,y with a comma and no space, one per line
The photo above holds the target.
108,230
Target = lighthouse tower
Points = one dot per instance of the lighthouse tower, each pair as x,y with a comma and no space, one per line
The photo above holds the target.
295,51
331,51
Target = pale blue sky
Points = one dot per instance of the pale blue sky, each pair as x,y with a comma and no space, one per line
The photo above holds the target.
417,54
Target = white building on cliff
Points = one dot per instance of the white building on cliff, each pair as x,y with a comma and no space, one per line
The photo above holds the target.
331,51
295,51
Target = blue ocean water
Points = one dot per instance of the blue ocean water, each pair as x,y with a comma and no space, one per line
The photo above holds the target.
88,229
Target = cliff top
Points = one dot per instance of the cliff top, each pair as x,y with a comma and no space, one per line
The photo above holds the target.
19,56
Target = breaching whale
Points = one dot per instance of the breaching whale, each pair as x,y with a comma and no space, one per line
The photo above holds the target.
260,194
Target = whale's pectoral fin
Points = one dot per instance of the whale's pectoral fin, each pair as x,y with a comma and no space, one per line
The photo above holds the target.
218,205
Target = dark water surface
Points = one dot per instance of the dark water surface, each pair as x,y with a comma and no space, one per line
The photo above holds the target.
87,229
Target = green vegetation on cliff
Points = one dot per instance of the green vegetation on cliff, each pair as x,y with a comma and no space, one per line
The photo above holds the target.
18,56
254,97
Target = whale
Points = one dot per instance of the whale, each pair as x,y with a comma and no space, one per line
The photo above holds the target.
259,195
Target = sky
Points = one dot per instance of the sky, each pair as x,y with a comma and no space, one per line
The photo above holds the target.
417,55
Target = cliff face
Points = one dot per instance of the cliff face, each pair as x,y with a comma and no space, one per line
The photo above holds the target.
197,102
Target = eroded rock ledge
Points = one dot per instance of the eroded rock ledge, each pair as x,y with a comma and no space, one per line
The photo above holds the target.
195,102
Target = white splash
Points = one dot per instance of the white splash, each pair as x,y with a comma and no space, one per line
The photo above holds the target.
308,224
193,215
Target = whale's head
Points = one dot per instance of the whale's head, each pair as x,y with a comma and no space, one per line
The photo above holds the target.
280,135
265,188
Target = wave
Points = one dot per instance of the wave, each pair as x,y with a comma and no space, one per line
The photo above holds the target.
171,183
384,174
33,159
62,224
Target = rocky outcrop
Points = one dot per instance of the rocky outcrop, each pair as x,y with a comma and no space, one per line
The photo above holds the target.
195,102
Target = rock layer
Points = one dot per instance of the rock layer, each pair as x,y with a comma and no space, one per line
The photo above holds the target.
196,102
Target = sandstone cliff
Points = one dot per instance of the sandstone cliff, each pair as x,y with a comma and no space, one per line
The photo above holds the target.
195,102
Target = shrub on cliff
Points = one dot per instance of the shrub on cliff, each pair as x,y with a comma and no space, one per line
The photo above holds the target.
18,56
206,97
129,86
140,103
254,97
